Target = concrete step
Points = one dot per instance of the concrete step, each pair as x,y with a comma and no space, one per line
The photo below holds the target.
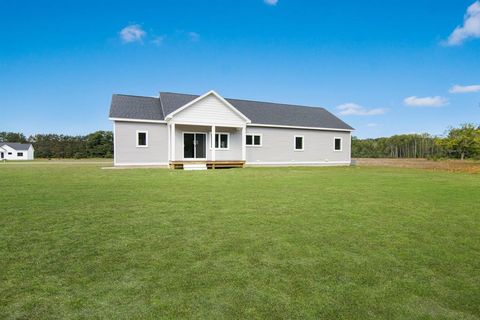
195,166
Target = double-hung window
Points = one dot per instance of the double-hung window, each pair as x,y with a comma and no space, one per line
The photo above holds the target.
254,140
337,144
222,141
298,143
142,139
19,154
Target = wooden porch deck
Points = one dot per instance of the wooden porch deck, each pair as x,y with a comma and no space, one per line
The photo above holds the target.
178,164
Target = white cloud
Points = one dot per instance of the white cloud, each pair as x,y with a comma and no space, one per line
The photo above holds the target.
415,101
132,33
470,27
193,36
353,109
158,40
271,2
464,89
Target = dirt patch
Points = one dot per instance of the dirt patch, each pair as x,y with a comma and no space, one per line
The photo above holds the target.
447,165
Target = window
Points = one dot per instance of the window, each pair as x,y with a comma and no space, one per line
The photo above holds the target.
9,153
337,145
221,140
298,143
254,140
19,154
142,138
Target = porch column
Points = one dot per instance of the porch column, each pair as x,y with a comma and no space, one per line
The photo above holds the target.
244,143
169,140
172,135
213,143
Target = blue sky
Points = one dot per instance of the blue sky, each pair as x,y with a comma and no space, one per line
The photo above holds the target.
385,67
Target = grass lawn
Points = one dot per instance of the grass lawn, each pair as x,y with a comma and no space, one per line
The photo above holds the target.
353,242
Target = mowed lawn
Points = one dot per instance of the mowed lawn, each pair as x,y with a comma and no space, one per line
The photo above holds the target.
77,241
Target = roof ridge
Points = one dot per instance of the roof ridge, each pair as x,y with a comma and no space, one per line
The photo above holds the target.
5,142
247,100
133,95
185,94
278,103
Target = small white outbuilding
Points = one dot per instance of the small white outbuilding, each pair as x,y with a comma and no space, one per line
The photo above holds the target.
16,151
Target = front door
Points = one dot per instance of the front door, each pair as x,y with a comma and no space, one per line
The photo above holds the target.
194,145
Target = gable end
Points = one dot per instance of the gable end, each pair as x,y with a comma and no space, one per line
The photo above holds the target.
208,108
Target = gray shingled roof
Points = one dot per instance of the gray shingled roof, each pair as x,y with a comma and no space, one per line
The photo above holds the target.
17,146
136,107
133,107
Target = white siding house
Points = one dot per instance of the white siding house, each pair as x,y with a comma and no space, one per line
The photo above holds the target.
16,151
179,128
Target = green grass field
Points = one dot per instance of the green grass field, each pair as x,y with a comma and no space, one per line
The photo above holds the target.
353,243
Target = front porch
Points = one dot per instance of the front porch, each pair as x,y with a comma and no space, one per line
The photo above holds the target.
215,146
209,164
207,131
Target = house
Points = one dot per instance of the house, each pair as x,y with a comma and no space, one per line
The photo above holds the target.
178,130
16,151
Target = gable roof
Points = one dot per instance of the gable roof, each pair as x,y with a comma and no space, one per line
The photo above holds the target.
210,93
17,146
266,113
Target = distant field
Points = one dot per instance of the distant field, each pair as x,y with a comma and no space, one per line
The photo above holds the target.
471,166
271,243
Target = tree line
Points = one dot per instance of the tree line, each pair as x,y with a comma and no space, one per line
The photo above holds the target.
462,142
458,143
98,144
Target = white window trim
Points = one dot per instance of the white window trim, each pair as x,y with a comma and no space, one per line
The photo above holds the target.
253,140
146,138
295,143
341,144
228,141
